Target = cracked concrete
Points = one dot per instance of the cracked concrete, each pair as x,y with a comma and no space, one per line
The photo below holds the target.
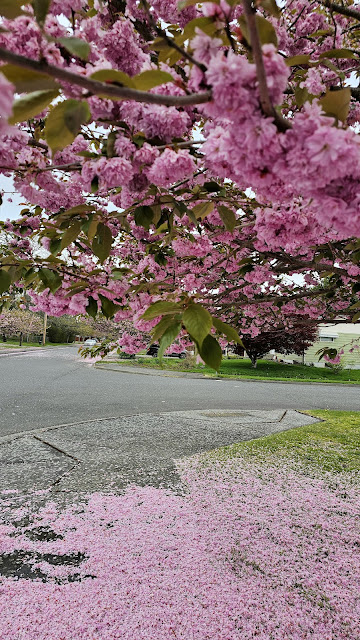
140,449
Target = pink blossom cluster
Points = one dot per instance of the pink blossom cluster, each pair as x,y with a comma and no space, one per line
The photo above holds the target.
6,101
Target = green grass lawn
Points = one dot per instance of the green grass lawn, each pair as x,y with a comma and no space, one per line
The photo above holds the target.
15,344
266,370
332,445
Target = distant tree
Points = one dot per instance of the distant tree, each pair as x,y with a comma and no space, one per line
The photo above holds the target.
63,329
295,340
20,323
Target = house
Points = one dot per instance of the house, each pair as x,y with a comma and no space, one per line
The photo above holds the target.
337,336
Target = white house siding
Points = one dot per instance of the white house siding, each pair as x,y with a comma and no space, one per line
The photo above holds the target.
339,335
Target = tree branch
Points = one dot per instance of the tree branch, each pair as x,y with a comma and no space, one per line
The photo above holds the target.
265,101
110,91
337,8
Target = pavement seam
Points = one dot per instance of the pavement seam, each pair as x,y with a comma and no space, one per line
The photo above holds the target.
69,455
33,432
63,475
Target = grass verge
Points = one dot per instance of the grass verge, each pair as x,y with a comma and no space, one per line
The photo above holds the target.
14,344
266,370
332,445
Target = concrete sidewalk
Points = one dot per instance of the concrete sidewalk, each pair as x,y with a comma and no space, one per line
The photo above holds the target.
139,449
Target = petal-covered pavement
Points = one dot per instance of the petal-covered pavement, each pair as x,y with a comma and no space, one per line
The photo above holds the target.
114,533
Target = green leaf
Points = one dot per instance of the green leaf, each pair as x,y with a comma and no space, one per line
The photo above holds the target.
336,103
271,7
110,144
168,338
50,278
180,208
171,56
112,76
55,246
338,53
94,184
197,321
297,60
160,308
11,8
64,121
301,95
26,80
151,78
356,317
92,307
101,245
31,105
267,33
91,228
108,307
210,352
41,8
163,325
143,216
203,209
79,208
160,44
76,46
5,280
70,234
228,217
207,25
228,331
212,186
186,3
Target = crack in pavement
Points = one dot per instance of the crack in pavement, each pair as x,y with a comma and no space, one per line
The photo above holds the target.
133,449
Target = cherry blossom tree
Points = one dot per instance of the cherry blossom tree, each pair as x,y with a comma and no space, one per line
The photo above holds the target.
191,167
20,323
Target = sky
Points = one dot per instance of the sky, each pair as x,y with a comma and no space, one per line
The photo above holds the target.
9,209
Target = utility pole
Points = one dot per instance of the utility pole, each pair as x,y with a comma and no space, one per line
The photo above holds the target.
44,330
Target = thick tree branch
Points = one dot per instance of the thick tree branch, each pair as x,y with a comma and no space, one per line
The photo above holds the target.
338,8
265,101
111,91
250,15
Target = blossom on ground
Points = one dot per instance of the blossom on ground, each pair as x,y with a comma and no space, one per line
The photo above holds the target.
254,550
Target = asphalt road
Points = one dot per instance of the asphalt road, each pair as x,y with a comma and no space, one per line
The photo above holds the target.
55,387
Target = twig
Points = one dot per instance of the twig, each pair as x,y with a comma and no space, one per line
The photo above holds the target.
111,91
170,41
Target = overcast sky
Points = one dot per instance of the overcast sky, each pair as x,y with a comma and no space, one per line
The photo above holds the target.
9,209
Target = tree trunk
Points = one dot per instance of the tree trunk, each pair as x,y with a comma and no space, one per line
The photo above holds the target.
20,339
253,361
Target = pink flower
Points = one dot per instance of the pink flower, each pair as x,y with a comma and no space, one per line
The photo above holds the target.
6,101
170,167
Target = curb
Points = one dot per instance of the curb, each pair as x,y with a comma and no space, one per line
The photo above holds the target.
147,371
152,372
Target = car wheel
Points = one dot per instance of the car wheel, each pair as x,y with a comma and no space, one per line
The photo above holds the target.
182,356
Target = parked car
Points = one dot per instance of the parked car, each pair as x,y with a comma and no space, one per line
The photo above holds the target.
91,342
154,350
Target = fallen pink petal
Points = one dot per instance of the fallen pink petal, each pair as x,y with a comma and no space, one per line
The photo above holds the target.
248,551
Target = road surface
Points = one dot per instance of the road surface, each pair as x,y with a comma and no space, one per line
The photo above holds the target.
52,387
